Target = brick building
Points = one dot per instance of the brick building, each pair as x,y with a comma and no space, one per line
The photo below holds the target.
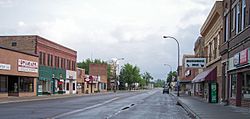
18,73
100,70
186,74
57,64
81,84
212,34
235,51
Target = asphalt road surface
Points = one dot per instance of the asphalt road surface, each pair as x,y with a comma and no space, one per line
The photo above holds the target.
126,105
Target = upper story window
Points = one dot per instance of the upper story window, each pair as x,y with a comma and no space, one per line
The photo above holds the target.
233,18
14,43
40,58
226,28
238,27
243,14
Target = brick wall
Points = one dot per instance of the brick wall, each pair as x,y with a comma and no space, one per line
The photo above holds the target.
99,69
23,43
11,57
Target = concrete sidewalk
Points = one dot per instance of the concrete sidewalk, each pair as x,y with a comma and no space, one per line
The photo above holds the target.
199,109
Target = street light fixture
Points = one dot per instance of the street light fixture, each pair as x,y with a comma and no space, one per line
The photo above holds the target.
178,45
169,66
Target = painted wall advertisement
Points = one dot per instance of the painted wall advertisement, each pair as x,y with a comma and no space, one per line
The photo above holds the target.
27,66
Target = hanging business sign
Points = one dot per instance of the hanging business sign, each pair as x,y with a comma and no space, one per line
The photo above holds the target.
27,66
244,57
5,66
195,62
188,73
213,93
236,59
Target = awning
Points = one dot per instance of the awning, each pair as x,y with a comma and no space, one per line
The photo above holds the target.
207,75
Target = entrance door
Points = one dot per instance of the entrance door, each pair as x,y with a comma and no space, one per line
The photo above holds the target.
70,87
13,86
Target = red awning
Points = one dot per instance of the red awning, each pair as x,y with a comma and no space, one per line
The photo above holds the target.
207,75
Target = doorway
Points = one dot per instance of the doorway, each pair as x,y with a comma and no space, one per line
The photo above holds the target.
13,86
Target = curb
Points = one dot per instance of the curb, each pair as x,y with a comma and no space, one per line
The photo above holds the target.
49,98
190,112
59,97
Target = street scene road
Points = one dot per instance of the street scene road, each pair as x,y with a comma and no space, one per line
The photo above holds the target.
150,104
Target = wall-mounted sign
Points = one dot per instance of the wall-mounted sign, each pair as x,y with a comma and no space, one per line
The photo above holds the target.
5,66
236,59
70,74
195,62
27,66
188,73
231,65
244,57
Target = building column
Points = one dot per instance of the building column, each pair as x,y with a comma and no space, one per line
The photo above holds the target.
240,78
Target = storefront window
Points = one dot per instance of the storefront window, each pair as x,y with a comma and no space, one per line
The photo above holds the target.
3,84
233,85
26,84
246,86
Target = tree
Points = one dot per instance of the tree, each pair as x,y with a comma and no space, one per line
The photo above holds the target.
147,77
130,74
159,83
171,76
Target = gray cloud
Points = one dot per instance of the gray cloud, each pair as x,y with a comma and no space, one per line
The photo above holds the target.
103,30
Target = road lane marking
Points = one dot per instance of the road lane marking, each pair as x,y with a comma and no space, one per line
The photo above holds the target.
83,109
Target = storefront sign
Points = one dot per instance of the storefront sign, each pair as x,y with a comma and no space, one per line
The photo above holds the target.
236,59
213,93
188,73
5,66
231,65
70,74
27,66
244,57
195,62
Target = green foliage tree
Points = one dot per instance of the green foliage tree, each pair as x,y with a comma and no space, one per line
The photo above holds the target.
159,83
147,77
130,74
171,75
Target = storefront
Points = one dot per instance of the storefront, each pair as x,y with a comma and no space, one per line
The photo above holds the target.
51,80
91,84
239,79
18,73
70,82
205,85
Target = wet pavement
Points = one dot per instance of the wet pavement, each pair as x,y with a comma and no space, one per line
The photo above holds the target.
151,104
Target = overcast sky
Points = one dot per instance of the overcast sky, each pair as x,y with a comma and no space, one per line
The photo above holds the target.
105,29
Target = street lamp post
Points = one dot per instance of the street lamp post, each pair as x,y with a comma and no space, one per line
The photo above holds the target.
170,71
178,45
169,66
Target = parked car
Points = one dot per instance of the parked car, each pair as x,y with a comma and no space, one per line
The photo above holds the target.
166,90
